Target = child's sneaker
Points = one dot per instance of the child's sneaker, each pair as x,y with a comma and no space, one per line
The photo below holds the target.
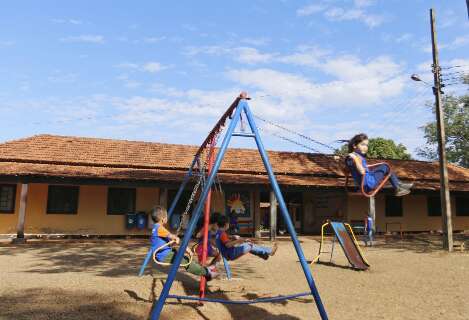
211,273
401,191
274,249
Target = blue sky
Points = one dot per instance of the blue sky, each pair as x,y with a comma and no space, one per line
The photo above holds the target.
165,71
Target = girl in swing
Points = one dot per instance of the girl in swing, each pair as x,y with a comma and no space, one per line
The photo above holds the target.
356,162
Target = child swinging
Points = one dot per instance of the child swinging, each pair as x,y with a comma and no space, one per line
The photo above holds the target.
164,253
234,247
212,250
372,177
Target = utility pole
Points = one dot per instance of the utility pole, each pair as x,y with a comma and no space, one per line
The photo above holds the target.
467,4
447,225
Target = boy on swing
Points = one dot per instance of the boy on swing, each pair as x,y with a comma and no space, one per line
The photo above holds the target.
356,161
160,236
234,247
212,250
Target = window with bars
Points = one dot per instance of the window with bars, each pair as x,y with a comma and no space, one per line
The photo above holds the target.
7,198
462,206
433,206
393,207
121,200
62,199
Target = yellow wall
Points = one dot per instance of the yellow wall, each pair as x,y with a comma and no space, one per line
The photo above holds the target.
414,218
91,218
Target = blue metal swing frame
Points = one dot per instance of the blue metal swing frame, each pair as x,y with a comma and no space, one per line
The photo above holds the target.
240,105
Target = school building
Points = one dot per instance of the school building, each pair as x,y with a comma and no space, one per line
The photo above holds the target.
86,186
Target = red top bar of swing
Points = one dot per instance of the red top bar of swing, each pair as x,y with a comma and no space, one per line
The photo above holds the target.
221,122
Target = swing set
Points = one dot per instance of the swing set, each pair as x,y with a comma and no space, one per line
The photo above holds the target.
206,177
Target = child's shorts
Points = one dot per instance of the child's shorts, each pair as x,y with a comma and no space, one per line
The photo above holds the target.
210,251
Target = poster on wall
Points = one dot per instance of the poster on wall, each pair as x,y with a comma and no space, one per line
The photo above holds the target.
238,202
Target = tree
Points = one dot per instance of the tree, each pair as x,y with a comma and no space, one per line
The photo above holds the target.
383,149
456,117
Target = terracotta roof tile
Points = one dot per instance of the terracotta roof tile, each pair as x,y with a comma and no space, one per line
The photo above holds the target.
121,159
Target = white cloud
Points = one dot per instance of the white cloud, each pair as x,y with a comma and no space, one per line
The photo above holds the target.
153,39
425,66
351,68
276,83
210,50
241,54
281,96
404,37
127,65
364,3
310,9
69,21
450,19
199,108
85,38
340,14
251,55
456,62
62,77
355,84
153,67
460,41
334,13
305,56
262,41
128,83
132,84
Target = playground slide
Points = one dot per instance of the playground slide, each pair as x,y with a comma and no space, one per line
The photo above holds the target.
350,247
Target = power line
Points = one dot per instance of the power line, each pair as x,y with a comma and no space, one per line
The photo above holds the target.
290,140
403,105
454,73
294,132
457,66
454,83
455,77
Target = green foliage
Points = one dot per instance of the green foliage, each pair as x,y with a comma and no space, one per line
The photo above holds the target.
383,149
456,115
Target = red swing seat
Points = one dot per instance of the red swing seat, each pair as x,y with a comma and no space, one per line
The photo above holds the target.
361,184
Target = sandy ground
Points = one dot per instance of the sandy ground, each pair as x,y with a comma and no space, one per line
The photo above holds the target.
410,279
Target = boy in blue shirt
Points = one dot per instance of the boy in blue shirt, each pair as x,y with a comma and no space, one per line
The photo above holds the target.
234,247
161,236
369,230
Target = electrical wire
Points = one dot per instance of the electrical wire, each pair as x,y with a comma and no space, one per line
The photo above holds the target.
268,131
295,132
457,66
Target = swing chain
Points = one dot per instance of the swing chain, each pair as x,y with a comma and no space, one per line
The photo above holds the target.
192,197
200,181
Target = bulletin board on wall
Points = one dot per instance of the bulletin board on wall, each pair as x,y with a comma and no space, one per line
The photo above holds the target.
240,204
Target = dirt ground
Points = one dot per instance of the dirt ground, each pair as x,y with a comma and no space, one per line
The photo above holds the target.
408,279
